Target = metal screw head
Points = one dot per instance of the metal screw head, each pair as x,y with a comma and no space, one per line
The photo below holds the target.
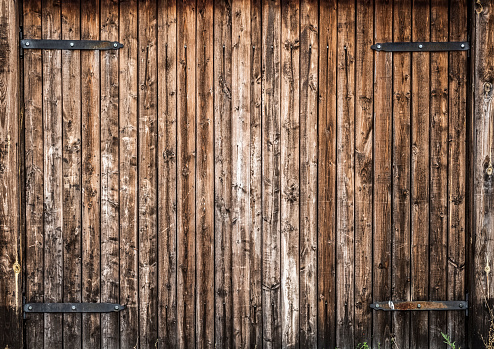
377,305
27,43
115,45
460,305
489,170
378,46
462,45
419,305
420,46
117,307
71,44
30,307
73,307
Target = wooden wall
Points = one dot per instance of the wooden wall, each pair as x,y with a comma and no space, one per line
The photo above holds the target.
245,173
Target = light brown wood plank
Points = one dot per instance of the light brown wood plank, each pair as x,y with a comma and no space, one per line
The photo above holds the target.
91,182
383,122
52,173
34,165
128,89
186,186
109,174
223,174
364,137
167,173
326,254
71,108
205,176
290,172
345,233
271,168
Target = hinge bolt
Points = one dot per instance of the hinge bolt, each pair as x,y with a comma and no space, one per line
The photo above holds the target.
377,305
27,43
420,46
419,306
379,46
460,305
30,307
73,307
71,44
115,45
462,45
116,307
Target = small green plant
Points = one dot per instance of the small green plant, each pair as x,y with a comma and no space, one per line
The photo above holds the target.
447,340
363,346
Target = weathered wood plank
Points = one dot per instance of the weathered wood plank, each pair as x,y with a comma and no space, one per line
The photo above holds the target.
457,171
167,174
383,122
438,234
401,174
71,109
109,174
271,168
33,138
345,234
205,176
52,173
420,173
147,178
186,186
290,172
91,182
11,322
326,258
364,137
309,69
223,174
128,90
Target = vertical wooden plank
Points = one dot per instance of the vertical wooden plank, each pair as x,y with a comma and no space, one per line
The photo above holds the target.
129,328
147,180
91,248
457,171
167,174
223,174
109,174
290,172
383,121
186,186
71,108
345,270
255,246
271,168
33,137
438,235
401,173
326,255
420,173
482,287
205,176
10,243
52,172
309,49
364,136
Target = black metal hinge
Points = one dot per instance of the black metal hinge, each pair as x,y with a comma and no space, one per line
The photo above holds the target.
421,46
420,305
69,44
72,308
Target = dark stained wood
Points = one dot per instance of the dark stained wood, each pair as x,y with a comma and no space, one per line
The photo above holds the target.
364,137
271,168
438,235
91,182
383,122
401,174
52,173
290,172
186,185
205,176
11,323
33,138
309,59
345,138
223,149
457,172
326,255
167,174
420,173
129,329
71,109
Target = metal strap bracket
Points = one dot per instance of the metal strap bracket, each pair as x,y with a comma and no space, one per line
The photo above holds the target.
422,46
420,305
70,44
72,307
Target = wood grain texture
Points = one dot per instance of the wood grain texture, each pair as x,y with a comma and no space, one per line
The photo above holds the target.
34,164
309,71
167,174
271,167
290,172
383,122
223,174
52,173
204,176
326,254
72,195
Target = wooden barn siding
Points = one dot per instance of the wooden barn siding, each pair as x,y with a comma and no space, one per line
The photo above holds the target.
245,174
